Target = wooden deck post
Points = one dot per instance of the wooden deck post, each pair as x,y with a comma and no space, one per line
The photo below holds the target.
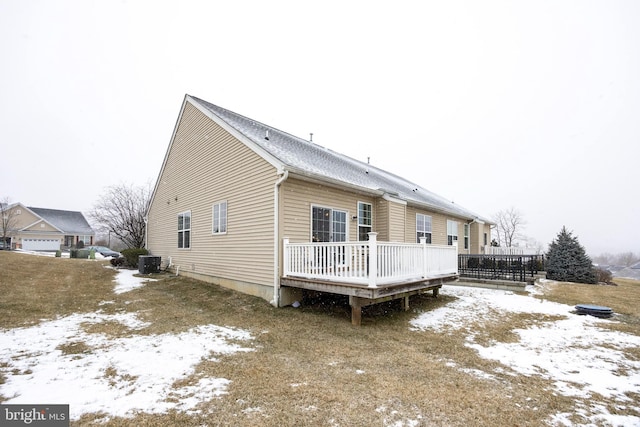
356,311
404,301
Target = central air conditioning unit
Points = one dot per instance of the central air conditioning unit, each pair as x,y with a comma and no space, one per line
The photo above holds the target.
148,264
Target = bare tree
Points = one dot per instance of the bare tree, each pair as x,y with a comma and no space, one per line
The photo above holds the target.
509,224
603,259
624,259
120,211
627,259
532,243
8,220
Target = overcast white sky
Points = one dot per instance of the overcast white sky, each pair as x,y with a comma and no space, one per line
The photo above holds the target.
534,105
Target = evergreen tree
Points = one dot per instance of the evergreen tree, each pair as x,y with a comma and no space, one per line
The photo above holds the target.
567,260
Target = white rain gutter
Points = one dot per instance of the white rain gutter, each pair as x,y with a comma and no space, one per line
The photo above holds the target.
276,239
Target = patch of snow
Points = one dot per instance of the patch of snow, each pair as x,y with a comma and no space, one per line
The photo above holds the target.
391,418
190,396
126,281
117,376
573,351
41,253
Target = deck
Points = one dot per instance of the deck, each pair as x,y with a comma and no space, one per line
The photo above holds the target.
401,270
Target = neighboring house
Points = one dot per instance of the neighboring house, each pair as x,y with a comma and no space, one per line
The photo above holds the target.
47,229
631,272
264,212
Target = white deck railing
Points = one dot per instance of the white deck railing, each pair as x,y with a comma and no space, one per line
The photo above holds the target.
499,250
352,262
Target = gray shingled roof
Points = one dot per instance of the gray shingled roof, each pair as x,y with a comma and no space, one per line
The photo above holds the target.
68,221
300,155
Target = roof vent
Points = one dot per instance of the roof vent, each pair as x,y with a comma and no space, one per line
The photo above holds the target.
311,137
266,134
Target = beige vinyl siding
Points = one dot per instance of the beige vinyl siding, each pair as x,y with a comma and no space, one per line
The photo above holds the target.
476,237
383,220
24,219
390,220
297,198
42,227
484,228
397,217
207,165
438,227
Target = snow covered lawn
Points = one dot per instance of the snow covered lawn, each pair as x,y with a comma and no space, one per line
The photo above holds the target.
575,352
163,351
115,376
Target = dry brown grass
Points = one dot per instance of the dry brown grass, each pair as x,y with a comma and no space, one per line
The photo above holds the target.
310,367
35,287
622,298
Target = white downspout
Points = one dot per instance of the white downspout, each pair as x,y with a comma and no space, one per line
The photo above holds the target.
276,239
146,232
469,236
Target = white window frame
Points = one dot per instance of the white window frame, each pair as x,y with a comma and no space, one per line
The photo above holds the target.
219,223
427,219
184,230
332,221
452,232
361,220
466,236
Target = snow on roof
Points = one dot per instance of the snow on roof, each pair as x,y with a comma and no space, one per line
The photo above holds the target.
67,221
300,155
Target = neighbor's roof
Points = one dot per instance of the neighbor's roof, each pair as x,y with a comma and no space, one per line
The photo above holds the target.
301,156
67,221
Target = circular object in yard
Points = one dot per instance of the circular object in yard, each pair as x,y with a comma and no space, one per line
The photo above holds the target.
594,310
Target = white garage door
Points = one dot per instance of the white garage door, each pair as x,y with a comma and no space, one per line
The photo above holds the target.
40,244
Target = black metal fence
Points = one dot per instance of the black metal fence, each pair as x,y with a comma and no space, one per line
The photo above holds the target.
515,268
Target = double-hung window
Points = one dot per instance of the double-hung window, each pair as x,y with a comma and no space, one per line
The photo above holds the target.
365,222
184,230
423,227
84,239
466,236
452,232
219,218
